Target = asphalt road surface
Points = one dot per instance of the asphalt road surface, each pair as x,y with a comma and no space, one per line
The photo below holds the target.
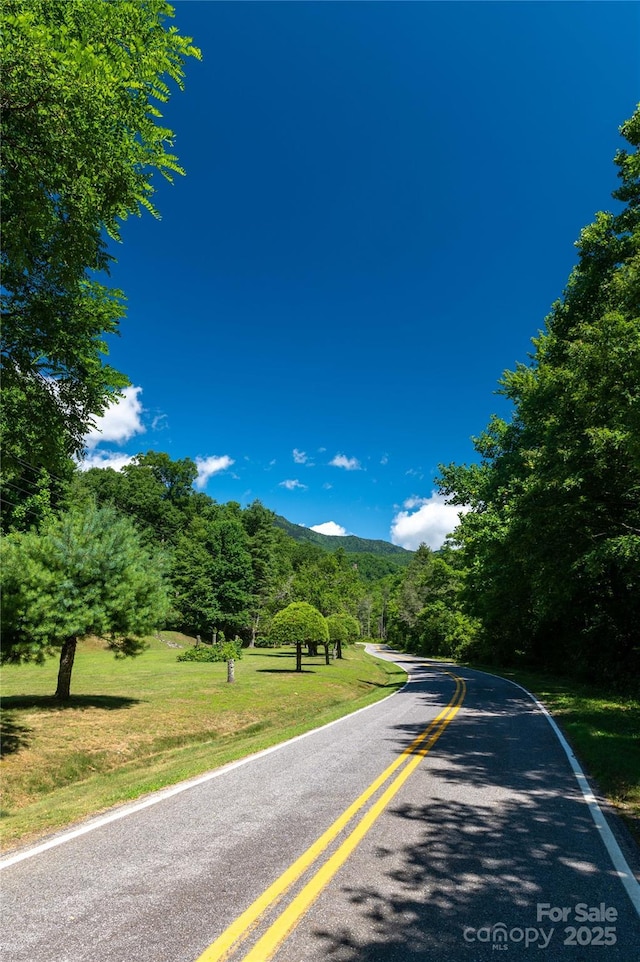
443,823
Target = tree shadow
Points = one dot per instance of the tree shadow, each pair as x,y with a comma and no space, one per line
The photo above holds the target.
285,671
493,824
108,702
376,684
13,736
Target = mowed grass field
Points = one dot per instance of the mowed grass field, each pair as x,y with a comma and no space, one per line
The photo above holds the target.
136,725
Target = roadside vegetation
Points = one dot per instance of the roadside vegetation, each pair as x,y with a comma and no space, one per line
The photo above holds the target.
137,725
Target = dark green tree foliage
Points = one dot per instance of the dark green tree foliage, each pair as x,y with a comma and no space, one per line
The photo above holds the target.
212,576
86,573
269,571
329,581
192,579
154,491
553,538
425,611
82,81
232,574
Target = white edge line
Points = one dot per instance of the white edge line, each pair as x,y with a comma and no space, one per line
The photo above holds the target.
165,793
620,863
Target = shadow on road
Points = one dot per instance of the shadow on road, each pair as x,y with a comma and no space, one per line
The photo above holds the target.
491,824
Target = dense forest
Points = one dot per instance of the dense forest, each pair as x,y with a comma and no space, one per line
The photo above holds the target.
544,566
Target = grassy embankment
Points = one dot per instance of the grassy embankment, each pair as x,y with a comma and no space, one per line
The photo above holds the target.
603,729
136,725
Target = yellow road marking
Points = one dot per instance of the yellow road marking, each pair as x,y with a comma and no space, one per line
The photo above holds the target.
264,949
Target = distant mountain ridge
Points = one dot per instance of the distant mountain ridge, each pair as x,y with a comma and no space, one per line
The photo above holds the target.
350,542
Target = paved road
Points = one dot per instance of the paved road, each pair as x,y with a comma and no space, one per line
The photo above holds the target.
447,824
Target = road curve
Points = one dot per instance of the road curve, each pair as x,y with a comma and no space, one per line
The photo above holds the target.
442,823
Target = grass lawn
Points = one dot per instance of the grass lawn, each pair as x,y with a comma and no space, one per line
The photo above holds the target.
602,728
135,725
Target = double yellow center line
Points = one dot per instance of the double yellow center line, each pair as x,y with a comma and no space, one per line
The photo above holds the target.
266,947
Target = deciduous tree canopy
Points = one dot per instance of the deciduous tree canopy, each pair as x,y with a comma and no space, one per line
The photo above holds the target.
553,538
82,81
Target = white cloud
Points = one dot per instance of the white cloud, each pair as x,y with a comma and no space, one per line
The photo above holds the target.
384,459
292,484
120,422
430,524
300,457
160,422
207,467
105,459
331,528
415,502
349,464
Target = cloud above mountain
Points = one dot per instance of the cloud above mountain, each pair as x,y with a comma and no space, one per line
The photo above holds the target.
425,521
331,528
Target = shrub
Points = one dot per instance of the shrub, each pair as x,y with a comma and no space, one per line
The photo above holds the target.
228,649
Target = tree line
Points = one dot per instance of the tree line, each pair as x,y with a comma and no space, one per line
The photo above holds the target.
125,552
549,554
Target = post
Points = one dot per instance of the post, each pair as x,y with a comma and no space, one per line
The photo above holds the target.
326,652
231,670
299,656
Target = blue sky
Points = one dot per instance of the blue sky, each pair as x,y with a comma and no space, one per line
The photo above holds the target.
380,207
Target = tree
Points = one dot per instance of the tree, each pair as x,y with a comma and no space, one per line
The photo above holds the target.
232,573
343,628
154,491
258,522
299,624
329,581
86,573
192,582
553,537
81,141
426,613
211,575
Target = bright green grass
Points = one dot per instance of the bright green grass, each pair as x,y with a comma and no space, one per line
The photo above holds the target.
135,725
